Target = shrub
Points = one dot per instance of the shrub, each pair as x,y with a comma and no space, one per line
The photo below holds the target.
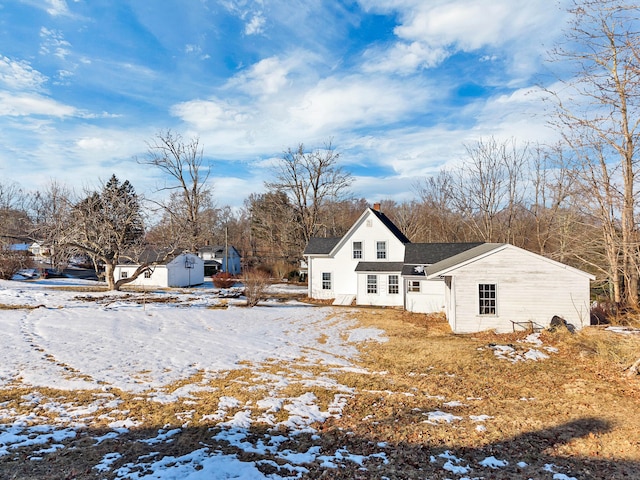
256,283
223,280
11,262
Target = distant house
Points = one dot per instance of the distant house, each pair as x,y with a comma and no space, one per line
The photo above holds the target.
480,286
218,258
182,270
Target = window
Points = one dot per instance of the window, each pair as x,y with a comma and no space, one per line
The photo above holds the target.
372,284
326,281
357,249
147,274
487,298
124,274
381,250
414,286
393,285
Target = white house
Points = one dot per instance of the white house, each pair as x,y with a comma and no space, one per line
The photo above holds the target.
480,286
183,270
220,258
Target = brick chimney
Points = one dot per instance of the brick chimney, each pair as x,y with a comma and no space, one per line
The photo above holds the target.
376,206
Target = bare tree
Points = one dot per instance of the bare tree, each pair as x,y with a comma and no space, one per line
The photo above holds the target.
108,226
310,179
489,188
598,111
190,194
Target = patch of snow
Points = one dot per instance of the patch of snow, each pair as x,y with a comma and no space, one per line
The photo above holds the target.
440,417
493,462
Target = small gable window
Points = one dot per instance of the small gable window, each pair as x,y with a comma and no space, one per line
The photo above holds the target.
357,250
381,250
487,298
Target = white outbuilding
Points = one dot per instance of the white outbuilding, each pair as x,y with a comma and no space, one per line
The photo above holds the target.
183,270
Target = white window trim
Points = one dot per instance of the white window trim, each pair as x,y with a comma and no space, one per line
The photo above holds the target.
378,251
396,285
495,300
375,285
330,280
353,250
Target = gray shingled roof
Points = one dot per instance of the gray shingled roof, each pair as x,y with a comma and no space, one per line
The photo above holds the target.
390,225
462,257
430,253
320,246
379,267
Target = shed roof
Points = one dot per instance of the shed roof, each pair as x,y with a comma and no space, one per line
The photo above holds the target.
462,257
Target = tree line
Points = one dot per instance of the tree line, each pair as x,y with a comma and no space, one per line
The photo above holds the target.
574,201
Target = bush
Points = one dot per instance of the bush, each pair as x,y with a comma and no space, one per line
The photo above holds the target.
223,280
256,283
11,262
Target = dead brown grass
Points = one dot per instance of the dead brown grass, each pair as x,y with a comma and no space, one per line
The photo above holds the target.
576,409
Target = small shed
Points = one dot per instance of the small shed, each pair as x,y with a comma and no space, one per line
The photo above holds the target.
183,270
497,286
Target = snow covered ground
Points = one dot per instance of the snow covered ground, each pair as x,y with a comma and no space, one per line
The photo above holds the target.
105,342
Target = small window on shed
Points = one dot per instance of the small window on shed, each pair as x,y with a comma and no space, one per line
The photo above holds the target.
487,298
124,274
414,286
147,274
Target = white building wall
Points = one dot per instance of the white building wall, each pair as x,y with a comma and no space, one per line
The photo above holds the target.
181,276
382,298
430,298
173,274
529,289
158,276
369,231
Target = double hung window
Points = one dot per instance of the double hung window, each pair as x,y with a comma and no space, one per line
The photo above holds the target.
357,250
394,287
326,280
372,284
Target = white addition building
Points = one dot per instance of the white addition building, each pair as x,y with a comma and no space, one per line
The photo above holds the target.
183,270
480,286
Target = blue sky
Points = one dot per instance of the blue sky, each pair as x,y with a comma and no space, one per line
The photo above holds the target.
398,86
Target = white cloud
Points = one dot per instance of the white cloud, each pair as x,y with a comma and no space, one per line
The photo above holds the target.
266,77
428,32
57,7
19,75
25,104
255,26
53,43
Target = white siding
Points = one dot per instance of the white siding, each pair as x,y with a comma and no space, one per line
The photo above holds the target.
529,289
382,298
430,298
173,274
369,230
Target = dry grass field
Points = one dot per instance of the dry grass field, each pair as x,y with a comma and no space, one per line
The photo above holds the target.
434,403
